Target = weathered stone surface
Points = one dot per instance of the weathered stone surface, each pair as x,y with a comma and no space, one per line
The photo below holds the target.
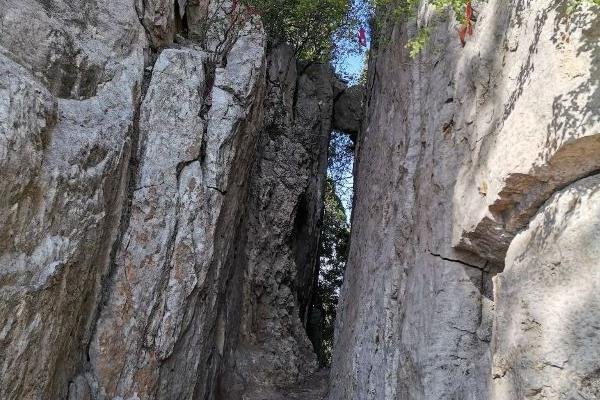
158,18
546,327
160,202
280,247
459,149
73,47
59,221
348,110
171,132
28,114
172,265
134,238
63,168
534,126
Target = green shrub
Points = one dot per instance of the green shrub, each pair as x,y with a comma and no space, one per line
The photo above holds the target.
316,27
574,4
308,25
394,11
397,10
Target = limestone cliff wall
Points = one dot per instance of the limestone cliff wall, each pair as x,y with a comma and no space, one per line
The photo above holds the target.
160,201
161,183
473,269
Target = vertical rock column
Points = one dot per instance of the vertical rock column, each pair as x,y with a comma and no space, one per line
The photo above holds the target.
157,336
282,231
68,97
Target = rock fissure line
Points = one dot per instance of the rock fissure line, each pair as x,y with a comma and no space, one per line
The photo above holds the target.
130,180
483,269
147,337
223,192
140,15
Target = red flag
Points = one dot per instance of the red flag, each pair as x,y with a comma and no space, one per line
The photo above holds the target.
469,15
362,37
467,26
469,11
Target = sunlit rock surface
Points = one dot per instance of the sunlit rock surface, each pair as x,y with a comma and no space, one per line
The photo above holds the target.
67,106
460,149
547,302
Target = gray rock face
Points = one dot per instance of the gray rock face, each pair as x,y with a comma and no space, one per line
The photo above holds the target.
348,110
63,168
459,149
282,232
170,268
161,183
547,302
73,47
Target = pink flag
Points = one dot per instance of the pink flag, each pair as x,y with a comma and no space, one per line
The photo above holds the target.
362,37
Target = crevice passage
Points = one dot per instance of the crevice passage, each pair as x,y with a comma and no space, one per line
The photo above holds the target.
333,245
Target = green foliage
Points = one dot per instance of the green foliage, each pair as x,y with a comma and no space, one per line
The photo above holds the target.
403,10
573,5
419,42
458,6
333,245
407,8
339,164
308,25
320,28
396,10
